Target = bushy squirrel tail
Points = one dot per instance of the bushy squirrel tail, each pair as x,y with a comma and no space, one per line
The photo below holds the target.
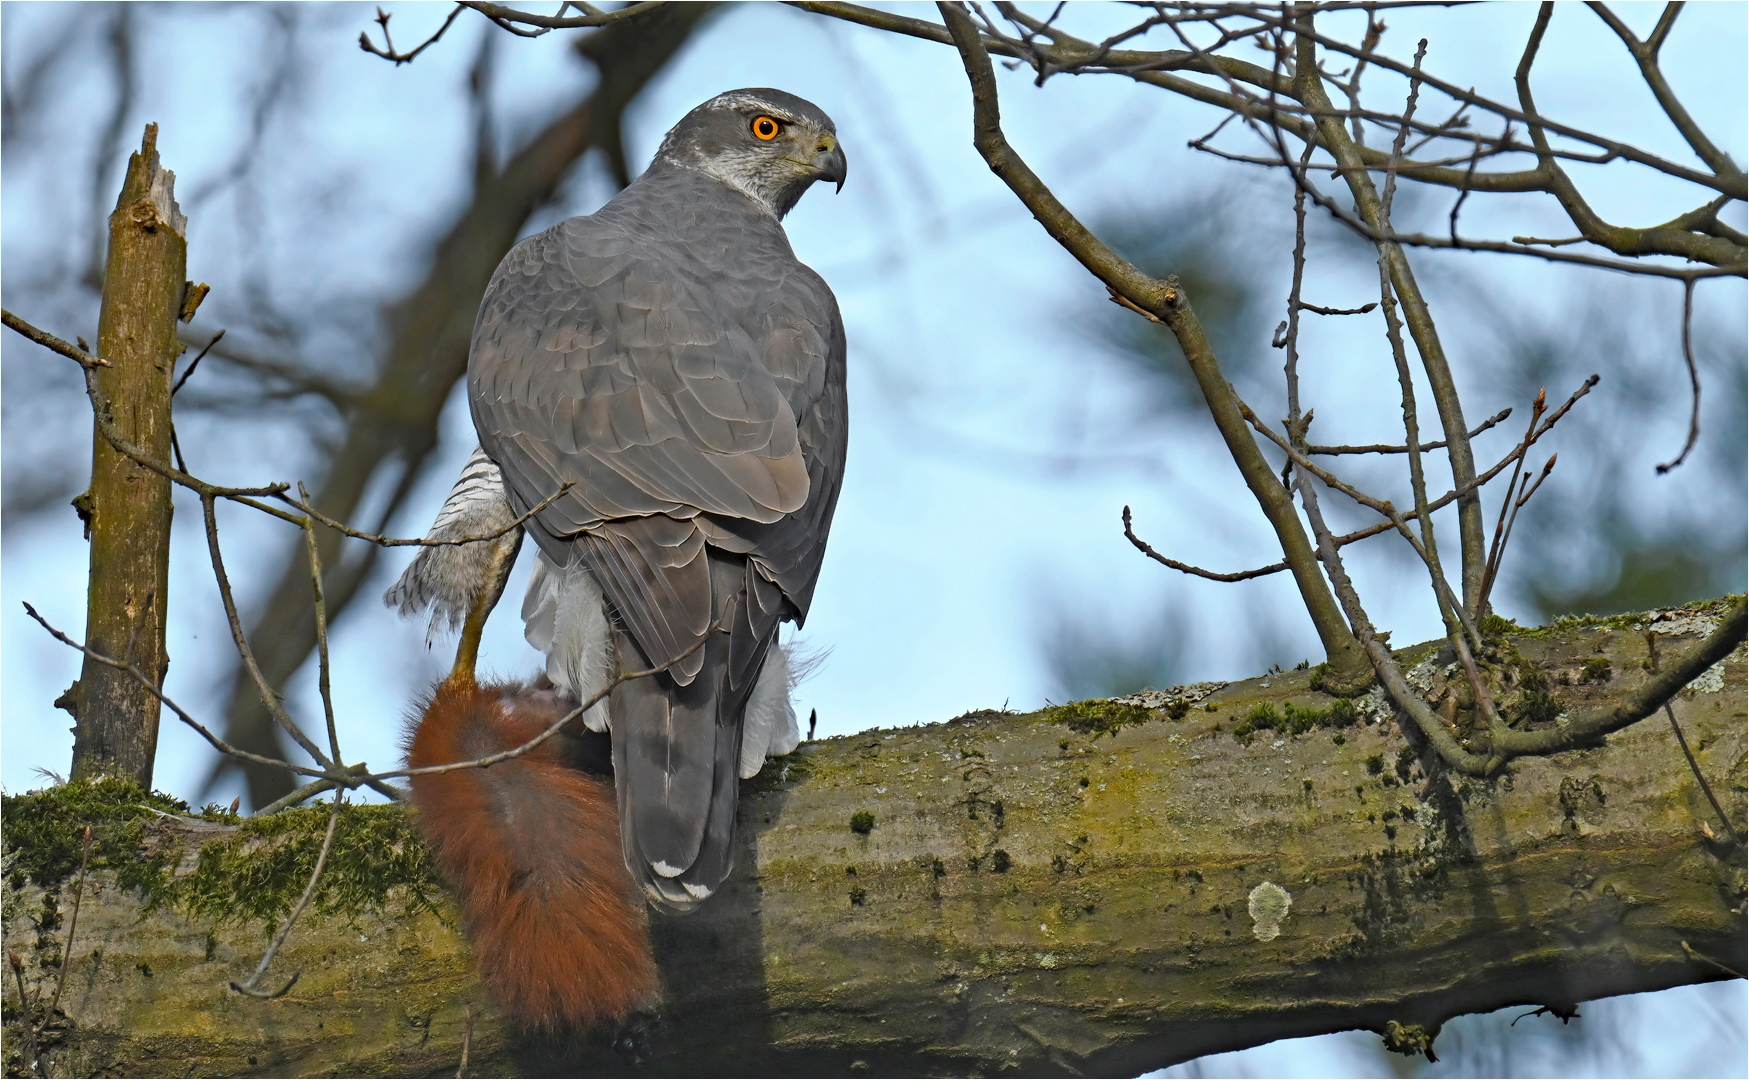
531,847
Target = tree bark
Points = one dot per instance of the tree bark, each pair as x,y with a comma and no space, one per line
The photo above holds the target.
127,509
1031,896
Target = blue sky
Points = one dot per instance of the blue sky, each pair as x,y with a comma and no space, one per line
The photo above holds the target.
993,440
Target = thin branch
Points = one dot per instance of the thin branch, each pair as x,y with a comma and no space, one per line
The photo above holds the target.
72,928
1383,507
324,688
467,1039
556,726
387,52
1503,527
1645,53
51,342
399,541
1185,568
1733,186
1290,341
145,681
1587,728
509,17
1166,301
1693,953
102,414
250,987
1385,448
192,364
1693,378
297,378
291,799
1071,54
238,638
1469,179
1435,365
1694,767
1725,255
1316,310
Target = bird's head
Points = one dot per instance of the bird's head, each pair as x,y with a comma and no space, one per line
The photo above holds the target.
768,144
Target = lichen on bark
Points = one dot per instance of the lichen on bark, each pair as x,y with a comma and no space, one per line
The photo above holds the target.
1027,898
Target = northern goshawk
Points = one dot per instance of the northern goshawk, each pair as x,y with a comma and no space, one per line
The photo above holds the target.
671,360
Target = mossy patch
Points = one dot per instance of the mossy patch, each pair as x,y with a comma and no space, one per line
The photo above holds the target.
43,833
1097,718
1494,626
254,870
1293,719
1535,707
258,872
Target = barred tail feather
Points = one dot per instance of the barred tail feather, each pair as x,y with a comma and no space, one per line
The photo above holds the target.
531,847
449,579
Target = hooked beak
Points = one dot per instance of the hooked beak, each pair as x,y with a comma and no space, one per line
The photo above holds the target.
829,162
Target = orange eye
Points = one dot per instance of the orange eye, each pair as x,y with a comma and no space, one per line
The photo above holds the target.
765,128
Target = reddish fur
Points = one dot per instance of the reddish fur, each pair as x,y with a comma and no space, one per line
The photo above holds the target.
531,847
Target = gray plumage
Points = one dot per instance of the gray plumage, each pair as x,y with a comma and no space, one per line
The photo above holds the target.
672,359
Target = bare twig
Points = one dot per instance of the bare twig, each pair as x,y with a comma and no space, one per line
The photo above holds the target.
1706,788
379,540
1497,547
269,698
1417,317
1166,301
467,1039
1290,338
1146,549
72,928
1695,954
1645,53
1469,179
556,726
293,798
51,342
387,52
1316,310
144,680
1587,728
1386,448
324,689
192,364
251,986
509,18
1693,378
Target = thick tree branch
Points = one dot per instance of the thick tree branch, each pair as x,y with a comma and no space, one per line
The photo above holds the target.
1031,899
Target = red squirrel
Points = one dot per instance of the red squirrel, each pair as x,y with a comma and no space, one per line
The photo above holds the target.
531,847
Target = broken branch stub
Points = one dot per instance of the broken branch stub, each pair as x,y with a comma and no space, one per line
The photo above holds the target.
128,505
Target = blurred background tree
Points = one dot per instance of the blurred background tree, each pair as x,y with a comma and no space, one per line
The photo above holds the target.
347,212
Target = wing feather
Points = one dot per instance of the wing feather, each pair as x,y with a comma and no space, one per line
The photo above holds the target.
671,361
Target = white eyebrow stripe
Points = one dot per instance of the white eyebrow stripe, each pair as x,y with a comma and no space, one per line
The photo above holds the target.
737,100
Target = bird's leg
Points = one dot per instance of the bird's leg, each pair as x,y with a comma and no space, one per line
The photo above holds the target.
497,573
